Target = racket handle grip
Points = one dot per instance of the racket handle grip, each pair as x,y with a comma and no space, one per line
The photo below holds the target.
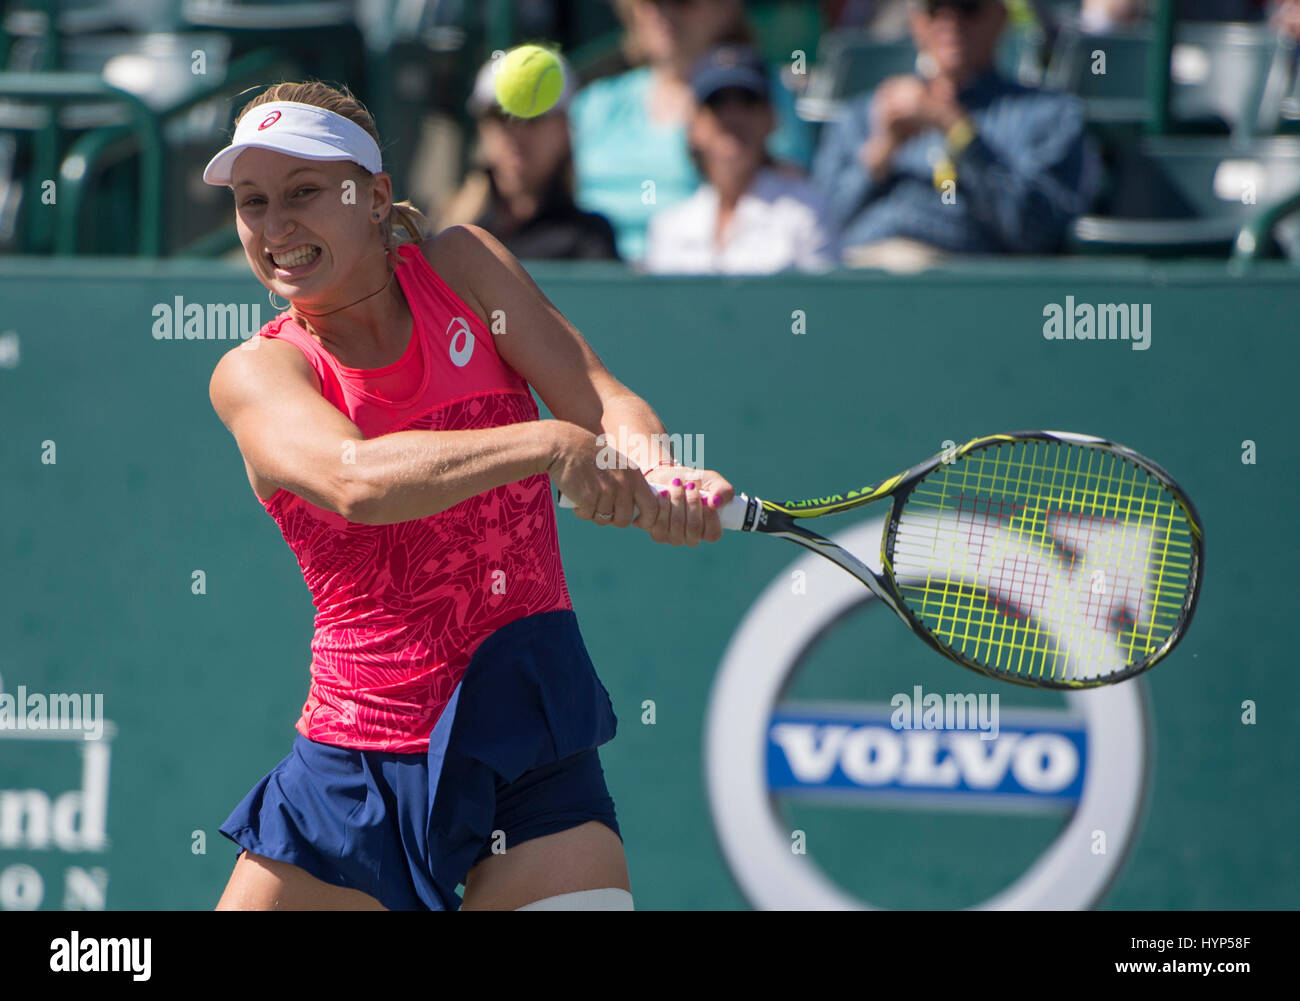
732,514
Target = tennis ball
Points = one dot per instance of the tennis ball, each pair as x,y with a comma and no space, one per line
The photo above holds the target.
529,80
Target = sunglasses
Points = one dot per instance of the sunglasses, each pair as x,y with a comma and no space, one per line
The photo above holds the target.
964,8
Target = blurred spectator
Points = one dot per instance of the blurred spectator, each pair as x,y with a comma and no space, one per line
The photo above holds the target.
963,160
524,194
746,218
1285,17
629,130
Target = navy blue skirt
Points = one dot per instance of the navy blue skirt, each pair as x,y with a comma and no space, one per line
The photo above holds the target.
512,757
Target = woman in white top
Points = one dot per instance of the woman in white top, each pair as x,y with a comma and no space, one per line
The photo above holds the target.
749,217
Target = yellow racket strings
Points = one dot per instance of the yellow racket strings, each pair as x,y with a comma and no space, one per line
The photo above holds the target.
1045,559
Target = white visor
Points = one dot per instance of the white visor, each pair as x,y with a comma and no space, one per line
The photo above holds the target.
300,130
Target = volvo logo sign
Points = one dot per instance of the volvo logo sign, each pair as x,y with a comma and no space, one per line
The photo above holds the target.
1089,758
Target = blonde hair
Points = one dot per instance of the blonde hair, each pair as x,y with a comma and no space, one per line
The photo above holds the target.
404,223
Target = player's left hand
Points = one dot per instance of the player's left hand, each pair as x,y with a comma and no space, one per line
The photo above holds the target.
689,500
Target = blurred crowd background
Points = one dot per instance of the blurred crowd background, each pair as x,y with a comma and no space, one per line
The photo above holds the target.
693,136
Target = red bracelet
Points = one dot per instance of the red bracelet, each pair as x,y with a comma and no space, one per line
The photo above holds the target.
661,462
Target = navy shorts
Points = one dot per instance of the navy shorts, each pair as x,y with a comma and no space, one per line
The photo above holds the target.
512,757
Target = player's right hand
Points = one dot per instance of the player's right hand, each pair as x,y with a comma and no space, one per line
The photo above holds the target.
603,493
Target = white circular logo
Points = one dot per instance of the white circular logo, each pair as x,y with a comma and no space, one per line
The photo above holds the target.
758,662
462,341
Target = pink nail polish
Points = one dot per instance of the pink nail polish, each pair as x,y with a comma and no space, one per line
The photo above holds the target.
690,486
677,483
663,493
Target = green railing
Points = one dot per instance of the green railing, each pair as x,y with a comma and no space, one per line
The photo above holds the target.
1253,237
98,148
54,92
93,151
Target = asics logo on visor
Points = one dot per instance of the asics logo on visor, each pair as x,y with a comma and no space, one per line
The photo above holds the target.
269,120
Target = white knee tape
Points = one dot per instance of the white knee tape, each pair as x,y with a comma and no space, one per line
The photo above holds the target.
608,899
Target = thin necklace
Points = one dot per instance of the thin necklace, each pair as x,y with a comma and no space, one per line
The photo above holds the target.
391,275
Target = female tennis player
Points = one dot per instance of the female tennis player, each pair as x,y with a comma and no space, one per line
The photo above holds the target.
449,736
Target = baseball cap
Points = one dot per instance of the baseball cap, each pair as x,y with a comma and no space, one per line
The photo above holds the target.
729,66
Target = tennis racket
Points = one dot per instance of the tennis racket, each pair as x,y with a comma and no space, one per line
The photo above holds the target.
1045,558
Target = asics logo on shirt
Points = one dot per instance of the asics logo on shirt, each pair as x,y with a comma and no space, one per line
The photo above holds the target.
462,341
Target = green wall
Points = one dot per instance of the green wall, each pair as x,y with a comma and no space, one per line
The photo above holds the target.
97,552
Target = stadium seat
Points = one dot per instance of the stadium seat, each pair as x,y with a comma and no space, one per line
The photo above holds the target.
239,14
74,17
157,67
1225,77
783,26
1188,195
44,113
127,179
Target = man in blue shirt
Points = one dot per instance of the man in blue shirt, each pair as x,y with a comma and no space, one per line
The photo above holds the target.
962,159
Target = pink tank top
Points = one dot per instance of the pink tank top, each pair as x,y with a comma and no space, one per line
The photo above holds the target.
400,609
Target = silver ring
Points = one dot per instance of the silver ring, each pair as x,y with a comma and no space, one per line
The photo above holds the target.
607,517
